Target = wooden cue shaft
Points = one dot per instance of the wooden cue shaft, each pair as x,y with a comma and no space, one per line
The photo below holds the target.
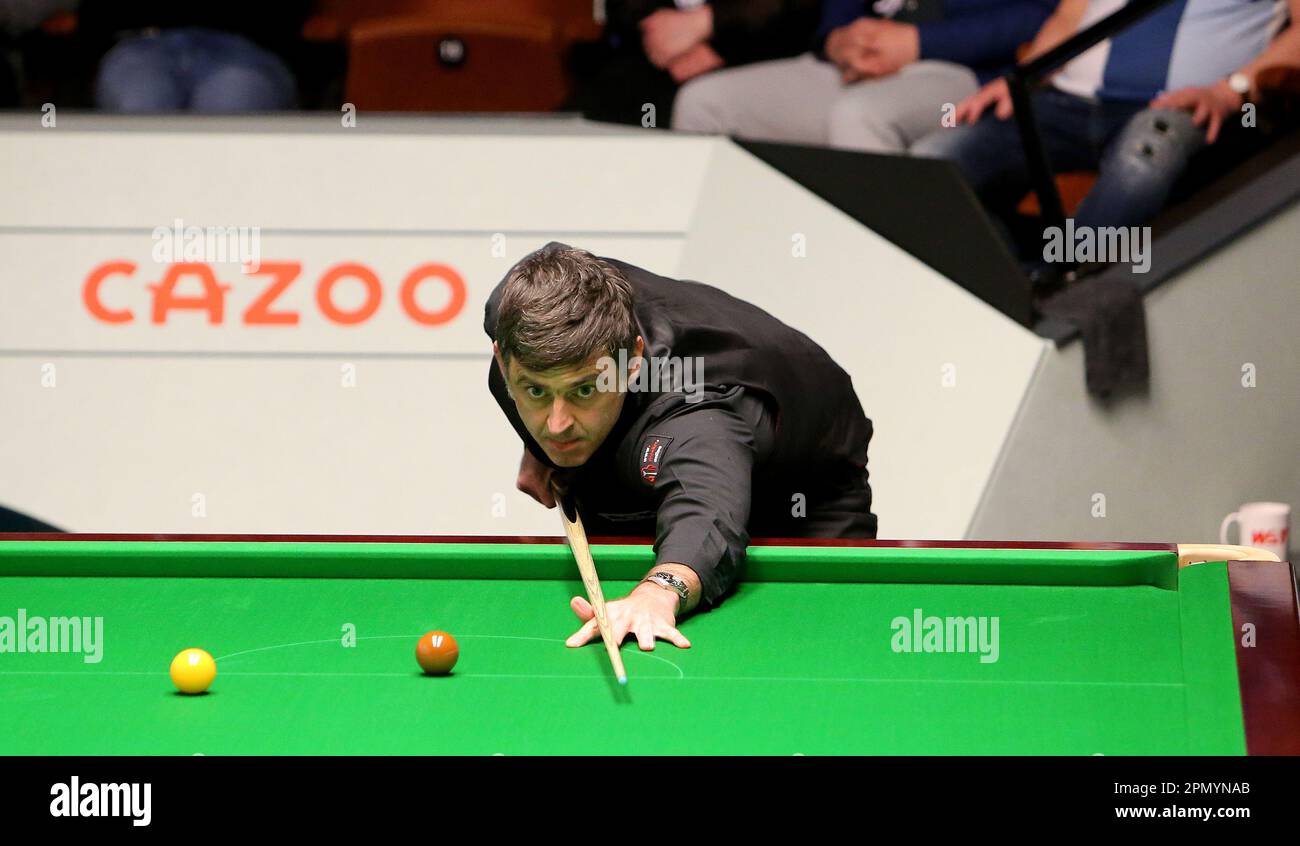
587,567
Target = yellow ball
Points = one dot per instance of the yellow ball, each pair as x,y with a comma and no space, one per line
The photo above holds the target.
193,670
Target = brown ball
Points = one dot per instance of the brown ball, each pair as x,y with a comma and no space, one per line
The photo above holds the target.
437,653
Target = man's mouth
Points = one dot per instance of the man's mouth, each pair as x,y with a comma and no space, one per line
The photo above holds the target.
564,446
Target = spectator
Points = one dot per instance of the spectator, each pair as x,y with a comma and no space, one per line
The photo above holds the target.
197,57
874,82
1135,107
653,46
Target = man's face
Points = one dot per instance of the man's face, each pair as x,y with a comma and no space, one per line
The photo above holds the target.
563,409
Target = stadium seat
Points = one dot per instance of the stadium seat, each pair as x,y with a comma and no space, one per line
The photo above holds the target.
1072,186
333,19
427,63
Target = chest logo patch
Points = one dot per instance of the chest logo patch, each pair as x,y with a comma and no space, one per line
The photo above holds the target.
651,456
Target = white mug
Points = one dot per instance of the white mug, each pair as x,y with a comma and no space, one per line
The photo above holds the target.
1264,525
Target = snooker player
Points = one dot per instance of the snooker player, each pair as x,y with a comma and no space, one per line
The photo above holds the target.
672,409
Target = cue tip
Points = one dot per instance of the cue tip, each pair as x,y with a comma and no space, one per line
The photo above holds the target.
622,679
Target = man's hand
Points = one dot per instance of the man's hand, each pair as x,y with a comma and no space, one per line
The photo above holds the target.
649,612
1212,103
885,47
669,33
536,479
699,59
995,94
845,43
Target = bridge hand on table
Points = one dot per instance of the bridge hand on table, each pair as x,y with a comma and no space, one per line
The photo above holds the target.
647,612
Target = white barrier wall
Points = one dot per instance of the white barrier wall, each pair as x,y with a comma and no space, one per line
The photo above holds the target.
1170,464
341,388
940,373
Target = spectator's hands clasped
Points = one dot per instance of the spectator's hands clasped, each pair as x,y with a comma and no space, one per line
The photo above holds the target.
538,480
870,47
668,34
699,59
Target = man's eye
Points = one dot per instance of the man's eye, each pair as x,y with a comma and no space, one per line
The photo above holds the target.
535,392
586,392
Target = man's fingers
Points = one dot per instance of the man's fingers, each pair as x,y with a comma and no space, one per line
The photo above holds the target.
862,31
1004,109
674,637
1200,114
645,635
866,64
619,628
584,635
1216,122
582,608
970,109
537,485
618,624
636,615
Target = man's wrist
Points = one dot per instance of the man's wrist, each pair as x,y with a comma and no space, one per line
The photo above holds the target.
660,593
1240,86
679,581
670,582
1230,94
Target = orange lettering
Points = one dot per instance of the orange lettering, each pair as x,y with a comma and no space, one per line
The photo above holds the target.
165,299
433,271
326,287
90,292
259,313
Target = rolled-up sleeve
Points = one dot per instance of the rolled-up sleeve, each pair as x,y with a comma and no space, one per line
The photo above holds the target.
702,472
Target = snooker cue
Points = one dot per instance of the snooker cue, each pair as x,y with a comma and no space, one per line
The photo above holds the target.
582,554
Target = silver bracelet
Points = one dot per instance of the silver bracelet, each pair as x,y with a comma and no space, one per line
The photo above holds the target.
667,580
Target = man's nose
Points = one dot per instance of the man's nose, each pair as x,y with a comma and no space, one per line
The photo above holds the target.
559,419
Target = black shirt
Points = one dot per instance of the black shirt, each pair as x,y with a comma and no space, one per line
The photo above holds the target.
769,439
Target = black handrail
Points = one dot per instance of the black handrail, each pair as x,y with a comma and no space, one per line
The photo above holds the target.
1022,78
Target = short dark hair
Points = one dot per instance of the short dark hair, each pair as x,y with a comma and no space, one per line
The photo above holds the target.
560,306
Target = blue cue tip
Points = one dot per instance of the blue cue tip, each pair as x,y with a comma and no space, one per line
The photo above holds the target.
622,679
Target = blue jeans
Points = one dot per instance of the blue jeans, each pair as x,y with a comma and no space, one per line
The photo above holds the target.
198,70
1139,154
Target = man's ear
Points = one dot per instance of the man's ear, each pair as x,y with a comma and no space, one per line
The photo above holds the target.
634,365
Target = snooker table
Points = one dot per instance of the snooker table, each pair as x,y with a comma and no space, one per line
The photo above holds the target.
826,647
